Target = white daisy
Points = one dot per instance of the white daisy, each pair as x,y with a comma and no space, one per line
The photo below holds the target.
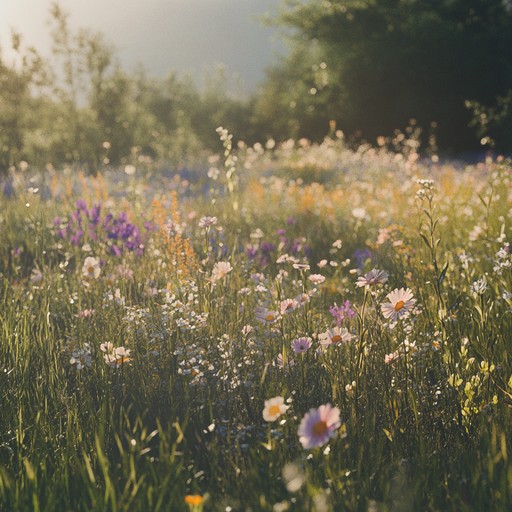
400,304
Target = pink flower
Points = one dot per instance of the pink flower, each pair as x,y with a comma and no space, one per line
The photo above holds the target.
287,306
318,426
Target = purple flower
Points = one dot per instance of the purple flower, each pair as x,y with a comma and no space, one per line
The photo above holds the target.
94,214
301,345
318,426
343,312
81,205
361,256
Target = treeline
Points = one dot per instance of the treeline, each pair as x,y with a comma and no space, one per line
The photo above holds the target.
365,66
80,106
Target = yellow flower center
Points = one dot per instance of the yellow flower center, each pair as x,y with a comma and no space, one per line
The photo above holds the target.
399,305
336,338
319,428
269,317
90,270
274,410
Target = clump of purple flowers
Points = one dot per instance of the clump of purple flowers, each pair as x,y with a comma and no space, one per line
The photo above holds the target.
342,312
87,225
361,256
264,253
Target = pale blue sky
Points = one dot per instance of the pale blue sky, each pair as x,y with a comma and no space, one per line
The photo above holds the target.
183,35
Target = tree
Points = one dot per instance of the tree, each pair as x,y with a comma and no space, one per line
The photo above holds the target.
393,60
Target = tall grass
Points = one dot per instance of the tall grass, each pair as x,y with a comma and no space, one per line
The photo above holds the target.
138,381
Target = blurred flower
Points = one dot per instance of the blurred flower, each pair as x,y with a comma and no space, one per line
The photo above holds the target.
479,287
265,315
220,270
391,358
194,501
316,278
274,408
400,303
91,268
342,312
36,276
85,313
318,426
373,278
206,222
81,357
281,362
301,345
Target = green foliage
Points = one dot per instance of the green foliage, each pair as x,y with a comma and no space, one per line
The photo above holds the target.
392,61
133,380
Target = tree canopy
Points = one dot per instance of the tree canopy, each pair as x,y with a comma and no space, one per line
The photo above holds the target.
392,60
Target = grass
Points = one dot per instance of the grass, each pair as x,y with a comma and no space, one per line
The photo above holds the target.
142,387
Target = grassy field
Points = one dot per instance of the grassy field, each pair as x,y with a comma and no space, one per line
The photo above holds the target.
294,327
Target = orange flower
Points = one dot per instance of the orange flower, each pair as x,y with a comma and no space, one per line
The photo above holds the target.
194,499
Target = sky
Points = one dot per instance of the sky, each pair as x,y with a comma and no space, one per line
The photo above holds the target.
191,36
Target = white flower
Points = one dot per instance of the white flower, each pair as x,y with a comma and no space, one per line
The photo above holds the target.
372,278
274,408
334,336
91,268
359,213
220,270
400,304
316,278
479,287
36,276
206,222
287,306
265,315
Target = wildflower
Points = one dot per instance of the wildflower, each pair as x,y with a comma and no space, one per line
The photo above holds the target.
274,408
303,298
318,426
373,278
400,304
36,276
265,315
194,501
221,270
287,306
359,213
281,362
85,313
391,358
247,329
206,222
342,312
301,345
479,287
91,268
115,356
336,335
81,357
316,278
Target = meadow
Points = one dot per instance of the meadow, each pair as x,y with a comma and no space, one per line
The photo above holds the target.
289,326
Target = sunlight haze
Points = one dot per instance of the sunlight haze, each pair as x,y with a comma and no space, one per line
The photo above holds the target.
183,35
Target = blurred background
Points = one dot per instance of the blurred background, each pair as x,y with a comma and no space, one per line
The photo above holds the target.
191,36
108,82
